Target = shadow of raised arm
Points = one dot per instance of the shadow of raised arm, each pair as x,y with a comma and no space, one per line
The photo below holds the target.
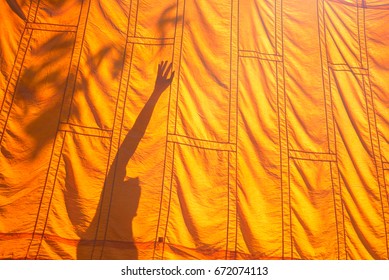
16,8
164,78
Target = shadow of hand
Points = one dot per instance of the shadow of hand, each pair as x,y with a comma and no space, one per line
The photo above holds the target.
163,80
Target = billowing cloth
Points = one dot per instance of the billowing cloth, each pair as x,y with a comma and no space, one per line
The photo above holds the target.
271,142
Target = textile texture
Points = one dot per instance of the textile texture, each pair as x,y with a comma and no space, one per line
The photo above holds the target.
269,140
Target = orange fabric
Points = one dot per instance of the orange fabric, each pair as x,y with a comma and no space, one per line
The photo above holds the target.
271,142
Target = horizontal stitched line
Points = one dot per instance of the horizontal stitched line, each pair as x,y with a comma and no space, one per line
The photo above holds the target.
312,156
205,144
362,5
151,41
264,56
51,27
88,131
345,67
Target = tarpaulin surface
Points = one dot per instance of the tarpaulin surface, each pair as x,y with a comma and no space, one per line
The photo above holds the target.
271,142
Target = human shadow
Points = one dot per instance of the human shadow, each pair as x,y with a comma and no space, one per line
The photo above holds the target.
125,194
15,7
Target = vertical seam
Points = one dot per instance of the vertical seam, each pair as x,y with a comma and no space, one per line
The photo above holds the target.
166,140
321,29
13,66
168,207
57,138
160,223
121,127
44,187
228,205
373,127
37,8
51,198
283,133
12,92
232,121
107,179
329,112
79,59
111,137
117,155
179,67
337,165
236,136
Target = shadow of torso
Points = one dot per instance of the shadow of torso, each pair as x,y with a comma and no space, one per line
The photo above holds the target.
119,241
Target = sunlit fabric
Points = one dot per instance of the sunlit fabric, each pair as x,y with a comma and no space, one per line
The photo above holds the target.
267,138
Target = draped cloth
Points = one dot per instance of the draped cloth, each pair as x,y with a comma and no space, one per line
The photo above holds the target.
271,141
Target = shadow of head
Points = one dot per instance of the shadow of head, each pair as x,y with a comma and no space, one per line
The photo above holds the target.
125,200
